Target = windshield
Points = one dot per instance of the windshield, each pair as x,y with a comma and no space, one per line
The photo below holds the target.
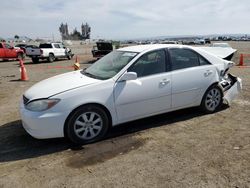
109,65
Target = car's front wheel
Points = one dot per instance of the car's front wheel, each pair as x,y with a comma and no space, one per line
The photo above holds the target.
87,124
212,99
69,55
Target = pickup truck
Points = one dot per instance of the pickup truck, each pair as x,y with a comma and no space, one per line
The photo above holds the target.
9,52
49,51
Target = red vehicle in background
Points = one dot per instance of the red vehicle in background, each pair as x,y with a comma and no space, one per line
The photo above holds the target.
9,52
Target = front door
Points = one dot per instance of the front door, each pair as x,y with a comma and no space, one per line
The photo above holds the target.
10,52
150,93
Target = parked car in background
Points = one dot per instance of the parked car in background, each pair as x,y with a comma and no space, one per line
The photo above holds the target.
48,51
220,44
9,52
101,49
199,41
127,84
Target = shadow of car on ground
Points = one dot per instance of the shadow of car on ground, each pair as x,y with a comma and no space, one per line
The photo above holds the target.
16,144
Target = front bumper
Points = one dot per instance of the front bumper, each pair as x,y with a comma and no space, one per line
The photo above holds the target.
43,125
231,92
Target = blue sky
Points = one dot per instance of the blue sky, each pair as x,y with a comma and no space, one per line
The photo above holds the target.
113,19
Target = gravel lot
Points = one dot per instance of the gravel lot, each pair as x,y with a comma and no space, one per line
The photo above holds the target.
179,149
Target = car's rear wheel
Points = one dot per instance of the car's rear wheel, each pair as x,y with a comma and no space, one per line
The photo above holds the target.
212,99
87,124
51,58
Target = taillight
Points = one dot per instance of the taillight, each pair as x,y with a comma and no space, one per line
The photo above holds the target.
41,51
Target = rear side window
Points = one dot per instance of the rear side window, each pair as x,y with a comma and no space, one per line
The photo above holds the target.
203,61
183,58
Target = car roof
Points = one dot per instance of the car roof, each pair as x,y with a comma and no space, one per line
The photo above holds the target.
141,48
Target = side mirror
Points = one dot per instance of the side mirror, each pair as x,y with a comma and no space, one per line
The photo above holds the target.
128,76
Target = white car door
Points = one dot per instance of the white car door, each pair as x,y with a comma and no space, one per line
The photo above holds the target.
62,50
191,76
57,51
150,93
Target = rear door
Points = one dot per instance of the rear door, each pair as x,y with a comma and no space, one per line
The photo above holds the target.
192,74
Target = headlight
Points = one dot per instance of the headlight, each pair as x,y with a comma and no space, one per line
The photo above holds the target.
41,105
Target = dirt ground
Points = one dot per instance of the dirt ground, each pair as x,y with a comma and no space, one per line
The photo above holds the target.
179,149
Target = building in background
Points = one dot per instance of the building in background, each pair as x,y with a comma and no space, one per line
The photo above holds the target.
75,35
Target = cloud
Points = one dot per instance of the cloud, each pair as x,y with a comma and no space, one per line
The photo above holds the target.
125,19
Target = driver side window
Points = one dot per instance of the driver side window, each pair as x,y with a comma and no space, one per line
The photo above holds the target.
149,64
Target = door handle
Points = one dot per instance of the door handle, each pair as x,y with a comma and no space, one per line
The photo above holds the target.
208,72
164,81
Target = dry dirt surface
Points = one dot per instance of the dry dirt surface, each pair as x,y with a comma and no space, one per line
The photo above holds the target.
185,148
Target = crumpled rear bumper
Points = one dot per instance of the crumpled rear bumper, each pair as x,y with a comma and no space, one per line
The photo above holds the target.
235,88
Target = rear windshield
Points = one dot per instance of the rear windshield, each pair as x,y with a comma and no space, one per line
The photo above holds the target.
45,46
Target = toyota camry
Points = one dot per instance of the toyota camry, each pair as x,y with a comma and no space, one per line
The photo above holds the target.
127,84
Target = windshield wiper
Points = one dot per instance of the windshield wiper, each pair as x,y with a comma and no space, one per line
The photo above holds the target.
90,75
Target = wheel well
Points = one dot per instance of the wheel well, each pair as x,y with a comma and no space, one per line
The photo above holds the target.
214,84
95,104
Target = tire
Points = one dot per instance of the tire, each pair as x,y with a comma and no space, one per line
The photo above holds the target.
51,58
69,55
87,124
212,99
35,60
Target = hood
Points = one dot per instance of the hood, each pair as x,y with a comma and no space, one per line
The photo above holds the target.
58,84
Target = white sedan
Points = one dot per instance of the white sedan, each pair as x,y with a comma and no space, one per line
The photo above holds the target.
127,84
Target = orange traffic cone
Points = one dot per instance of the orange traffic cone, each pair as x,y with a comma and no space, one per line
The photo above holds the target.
241,60
24,76
76,64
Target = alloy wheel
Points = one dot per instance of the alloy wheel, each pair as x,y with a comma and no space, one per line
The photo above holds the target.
88,125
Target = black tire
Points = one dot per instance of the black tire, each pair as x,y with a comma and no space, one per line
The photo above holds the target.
69,56
212,99
78,133
35,60
51,58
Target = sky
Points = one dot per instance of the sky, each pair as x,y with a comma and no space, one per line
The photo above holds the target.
127,19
